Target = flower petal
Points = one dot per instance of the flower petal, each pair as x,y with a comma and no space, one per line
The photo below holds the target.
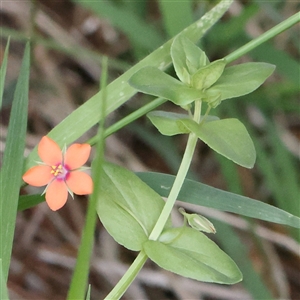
38,176
56,194
77,155
49,151
80,183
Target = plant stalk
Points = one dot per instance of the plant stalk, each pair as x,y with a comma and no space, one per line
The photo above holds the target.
129,119
180,177
133,270
128,277
80,276
284,25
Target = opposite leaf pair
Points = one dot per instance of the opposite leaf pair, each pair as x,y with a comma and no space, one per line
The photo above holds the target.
129,208
200,79
208,82
228,137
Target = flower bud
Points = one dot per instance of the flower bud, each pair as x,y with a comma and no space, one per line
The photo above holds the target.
198,222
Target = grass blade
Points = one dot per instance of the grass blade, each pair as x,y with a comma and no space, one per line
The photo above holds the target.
80,276
12,168
3,72
3,288
27,201
88,294
201,194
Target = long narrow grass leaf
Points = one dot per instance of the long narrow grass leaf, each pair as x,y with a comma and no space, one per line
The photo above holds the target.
81,272
88,294
3,288
11,172
28,201
3,72
201,194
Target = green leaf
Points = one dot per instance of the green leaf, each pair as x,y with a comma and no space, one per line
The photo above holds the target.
168,123
127,207
12,167
208,75
3,288
213,100
28,201
119,91
88,294
228,137
241,79
286,65
187,58
155,82
189,253
3,72
200,194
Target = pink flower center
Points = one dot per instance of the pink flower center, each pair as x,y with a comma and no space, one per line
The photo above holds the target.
60,171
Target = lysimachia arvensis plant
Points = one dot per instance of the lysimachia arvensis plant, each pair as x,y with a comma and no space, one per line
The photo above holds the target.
134,214
137,217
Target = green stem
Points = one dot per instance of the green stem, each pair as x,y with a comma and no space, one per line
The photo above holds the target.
182,172
131,273
80,277
128,277
180,177
130,118
286,24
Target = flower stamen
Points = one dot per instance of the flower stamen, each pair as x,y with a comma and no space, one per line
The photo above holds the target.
57,170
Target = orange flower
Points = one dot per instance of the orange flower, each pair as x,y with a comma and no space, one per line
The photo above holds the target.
60,172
